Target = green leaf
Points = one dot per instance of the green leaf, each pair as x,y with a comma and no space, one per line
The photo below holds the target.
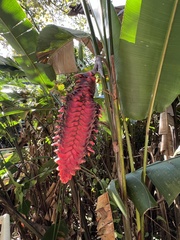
7,64
53,37
149,55
133,18
114,196
25,207
55,46
159,218
166,177
46,169
20,34
19,194
14,158
12,111
60,230
139,193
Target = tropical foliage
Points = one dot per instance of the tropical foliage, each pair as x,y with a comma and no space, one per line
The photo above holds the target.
135,59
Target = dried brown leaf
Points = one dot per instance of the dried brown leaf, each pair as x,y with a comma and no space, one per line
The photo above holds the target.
105,226
88,43
166,126
63,60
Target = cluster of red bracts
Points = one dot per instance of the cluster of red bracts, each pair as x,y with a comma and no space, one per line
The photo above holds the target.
77,126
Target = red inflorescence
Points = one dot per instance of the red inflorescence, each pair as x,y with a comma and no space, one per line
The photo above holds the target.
77,126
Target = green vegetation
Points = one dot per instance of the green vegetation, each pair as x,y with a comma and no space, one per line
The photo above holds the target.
138,78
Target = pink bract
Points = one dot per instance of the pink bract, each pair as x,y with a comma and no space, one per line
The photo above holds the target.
77,124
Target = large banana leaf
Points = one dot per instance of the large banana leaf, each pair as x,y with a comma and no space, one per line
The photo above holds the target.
150,56
139,193
55,45
53,37
160,173
19,32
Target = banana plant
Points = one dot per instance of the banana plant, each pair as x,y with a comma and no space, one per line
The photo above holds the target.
142,61
144,52
148,77
148,73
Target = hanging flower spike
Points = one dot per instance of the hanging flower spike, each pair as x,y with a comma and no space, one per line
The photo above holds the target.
77,126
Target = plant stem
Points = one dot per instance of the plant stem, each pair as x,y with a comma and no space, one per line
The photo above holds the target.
117,124
97,52
131,160
80,209
119,153
142,227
